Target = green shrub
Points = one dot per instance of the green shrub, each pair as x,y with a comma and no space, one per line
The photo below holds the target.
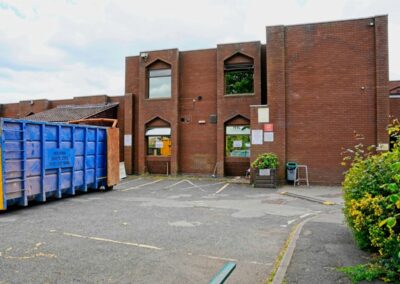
362,272
265,161
372,207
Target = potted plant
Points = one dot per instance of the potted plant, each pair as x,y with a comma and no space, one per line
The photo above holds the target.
265,170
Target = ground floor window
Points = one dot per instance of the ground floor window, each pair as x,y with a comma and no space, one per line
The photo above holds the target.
158,141
237,141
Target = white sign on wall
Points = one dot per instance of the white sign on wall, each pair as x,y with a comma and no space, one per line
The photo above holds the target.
268,136
263,115
237,143
383,147
159,144
257,137
127,140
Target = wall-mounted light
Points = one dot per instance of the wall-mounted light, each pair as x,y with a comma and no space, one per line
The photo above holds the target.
144,56
372,23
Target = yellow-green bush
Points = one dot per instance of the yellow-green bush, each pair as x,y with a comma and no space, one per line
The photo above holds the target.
372,208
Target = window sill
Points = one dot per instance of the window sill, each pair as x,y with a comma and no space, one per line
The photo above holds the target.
239,95
158,99
158,158
237,159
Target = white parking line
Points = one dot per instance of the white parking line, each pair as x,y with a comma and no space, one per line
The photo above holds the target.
179,182
141,185
222,188
129,181
112,241
305,215
218,258
206,185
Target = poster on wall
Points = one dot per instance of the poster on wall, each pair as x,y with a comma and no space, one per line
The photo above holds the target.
257,137
159,144
263,115
268,127
127,140
237,143
268,136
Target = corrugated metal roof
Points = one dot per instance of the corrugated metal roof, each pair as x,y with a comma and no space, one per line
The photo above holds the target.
66,113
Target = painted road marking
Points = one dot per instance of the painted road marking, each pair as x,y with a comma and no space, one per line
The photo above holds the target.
141,185
129,181
112,241
222,188
179,182
305,215
206,185
217,257
158,248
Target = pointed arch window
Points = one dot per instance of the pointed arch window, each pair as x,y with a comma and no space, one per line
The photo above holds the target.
239,75
159,81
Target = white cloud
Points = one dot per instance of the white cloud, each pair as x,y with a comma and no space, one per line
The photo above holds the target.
65,48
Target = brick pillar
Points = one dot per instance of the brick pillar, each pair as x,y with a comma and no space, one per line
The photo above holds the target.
382,79
128,133
276,94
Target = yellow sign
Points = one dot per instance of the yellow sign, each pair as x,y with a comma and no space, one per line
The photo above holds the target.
166,148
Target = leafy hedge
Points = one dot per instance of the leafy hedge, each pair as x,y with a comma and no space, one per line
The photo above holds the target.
372,209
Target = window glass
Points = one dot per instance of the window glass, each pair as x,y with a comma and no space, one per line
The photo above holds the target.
159,146
158,141
237,141
239,79
160,83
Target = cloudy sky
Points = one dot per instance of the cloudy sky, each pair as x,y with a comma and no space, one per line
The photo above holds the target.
65,48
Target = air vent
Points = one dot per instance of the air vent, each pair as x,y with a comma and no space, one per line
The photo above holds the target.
213,118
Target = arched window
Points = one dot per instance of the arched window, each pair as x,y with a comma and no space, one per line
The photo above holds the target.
158,141
237,137
239,75
159,80
158,138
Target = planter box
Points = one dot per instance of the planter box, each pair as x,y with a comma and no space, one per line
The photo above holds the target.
265,178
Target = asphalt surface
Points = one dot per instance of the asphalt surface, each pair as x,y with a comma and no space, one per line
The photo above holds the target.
150,230
325,243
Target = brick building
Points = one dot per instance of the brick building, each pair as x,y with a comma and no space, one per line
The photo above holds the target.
303,95
308,90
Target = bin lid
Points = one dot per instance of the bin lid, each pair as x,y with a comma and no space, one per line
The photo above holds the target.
291,164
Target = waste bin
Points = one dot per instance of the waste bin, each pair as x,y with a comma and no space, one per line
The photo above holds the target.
291,171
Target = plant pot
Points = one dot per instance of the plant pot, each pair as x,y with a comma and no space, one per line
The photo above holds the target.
265,178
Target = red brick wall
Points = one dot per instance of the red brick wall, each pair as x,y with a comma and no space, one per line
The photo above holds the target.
230,106
132,112
394,89
197,142
197,146
395,108
332,86
148,109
